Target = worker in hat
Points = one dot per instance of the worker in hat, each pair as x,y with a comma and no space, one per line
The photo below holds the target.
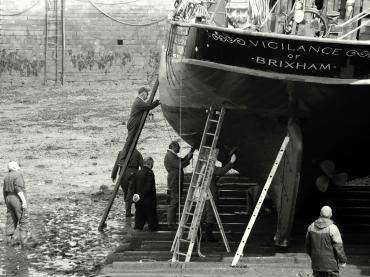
175,179
14,192
127,181
145,197
325,246
137,110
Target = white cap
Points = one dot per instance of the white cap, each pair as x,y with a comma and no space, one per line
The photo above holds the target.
13,166
326,212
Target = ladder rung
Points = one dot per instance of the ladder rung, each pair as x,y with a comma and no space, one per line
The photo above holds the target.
202,160
211,134
189,213
207,147
180,253
213,120
199,173
185,227
184,240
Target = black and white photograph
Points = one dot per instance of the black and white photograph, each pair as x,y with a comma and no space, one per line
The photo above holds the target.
185,138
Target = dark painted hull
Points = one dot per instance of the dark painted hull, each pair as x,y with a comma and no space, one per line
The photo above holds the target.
333,110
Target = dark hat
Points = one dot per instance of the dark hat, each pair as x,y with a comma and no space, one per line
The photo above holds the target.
143,89
173,144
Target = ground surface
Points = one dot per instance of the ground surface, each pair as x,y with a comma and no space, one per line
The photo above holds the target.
66,140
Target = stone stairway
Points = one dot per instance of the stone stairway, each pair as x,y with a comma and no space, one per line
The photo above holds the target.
143,250
351,204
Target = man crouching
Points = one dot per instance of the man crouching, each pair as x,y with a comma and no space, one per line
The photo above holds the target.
145,198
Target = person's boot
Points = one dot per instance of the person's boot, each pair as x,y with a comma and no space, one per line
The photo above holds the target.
209,233
28,240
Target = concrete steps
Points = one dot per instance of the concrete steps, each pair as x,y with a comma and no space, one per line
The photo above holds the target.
261,258
280,265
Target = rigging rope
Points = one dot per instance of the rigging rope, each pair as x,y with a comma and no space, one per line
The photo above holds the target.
117,3
126,23
22,12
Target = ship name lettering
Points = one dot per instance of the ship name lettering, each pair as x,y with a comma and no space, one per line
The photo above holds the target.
293,64
300,48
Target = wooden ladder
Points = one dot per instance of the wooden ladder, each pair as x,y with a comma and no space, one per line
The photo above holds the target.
126,161
54,48
199,191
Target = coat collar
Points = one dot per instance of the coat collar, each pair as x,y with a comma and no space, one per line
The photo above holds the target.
171,151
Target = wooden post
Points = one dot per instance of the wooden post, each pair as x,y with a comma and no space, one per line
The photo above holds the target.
46,40
63,41
56,40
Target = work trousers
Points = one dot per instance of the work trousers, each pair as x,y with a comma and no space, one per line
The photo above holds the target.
15,216
129,139
173,206
146,212
325,274
128,186
208,214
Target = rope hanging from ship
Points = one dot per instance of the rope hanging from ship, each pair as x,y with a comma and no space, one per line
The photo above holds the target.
21,12
123,22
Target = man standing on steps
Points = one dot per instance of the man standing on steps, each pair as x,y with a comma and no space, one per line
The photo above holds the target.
137,110
325,246
145,198
175,178
128,179
208,218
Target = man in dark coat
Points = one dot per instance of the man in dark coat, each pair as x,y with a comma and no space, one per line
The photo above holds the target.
325,246
209,219
137,110
175,178
128,179
145,198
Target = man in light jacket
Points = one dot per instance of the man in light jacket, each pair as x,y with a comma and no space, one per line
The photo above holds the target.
325,246
14,191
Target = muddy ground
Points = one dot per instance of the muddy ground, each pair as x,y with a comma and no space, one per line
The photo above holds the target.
66,140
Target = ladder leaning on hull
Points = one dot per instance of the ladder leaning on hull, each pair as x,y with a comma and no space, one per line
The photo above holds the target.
127,159
262,197
199,191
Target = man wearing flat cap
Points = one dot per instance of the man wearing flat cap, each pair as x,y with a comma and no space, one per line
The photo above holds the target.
137,110
325,246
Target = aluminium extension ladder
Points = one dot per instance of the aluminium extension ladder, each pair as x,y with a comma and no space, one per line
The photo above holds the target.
199,191
262,197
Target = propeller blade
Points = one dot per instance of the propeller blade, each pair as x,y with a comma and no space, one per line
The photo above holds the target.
328,167
340,179
322,183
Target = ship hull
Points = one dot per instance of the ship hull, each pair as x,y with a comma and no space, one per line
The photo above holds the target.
330,106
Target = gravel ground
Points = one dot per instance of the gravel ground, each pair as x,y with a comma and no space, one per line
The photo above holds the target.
66,140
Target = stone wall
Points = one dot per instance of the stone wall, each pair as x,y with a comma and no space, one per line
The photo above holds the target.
98,48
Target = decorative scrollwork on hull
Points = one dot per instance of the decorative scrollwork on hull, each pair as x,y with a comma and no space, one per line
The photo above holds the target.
363,54
226,38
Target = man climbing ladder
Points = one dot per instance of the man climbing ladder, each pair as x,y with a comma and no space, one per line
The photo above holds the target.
130,149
